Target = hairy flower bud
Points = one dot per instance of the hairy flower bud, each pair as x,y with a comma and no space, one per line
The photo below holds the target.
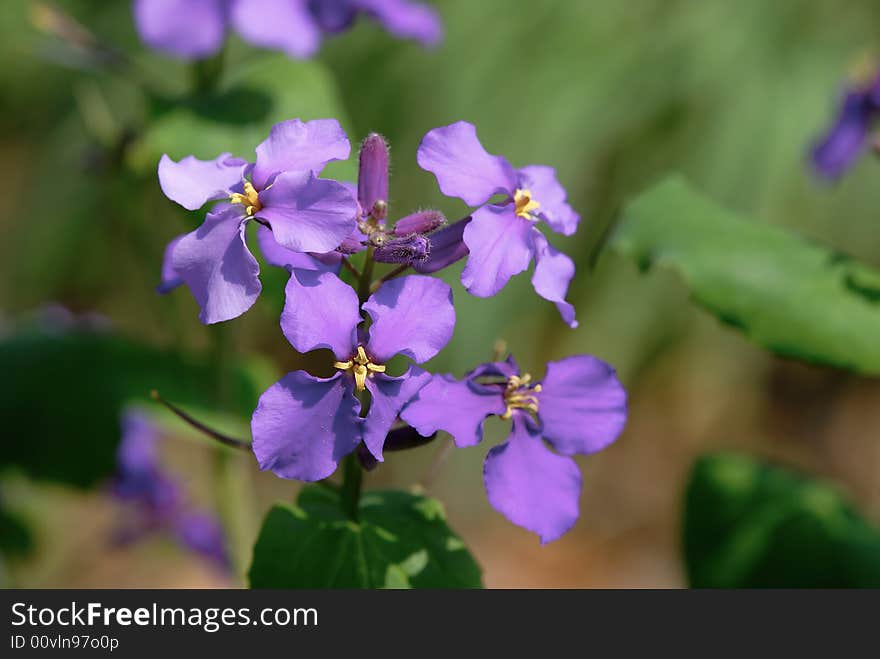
351,245
420,222
409,249
373,176
447,247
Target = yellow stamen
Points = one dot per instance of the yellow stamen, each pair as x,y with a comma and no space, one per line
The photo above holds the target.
360,366
250,199
524,203
520,395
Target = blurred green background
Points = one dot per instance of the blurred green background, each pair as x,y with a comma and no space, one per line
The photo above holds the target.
614,95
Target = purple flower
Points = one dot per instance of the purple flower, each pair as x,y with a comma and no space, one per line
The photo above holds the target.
157,501
502,237
304,425
849,135
304,213
196,29
579,408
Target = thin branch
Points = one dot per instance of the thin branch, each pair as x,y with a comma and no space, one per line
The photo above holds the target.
399,270
351,268
201,427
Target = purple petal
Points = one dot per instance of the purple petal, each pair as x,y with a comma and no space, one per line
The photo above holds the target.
553,273
308,214
303,426
847,138
530,485
294,146
333,16
462,167
320,311
500,245
192,182
546,190
281,257
389,395
204,535
284,25
503,369
170,279
582,405
189,29
412,316
373,173
447,247
874,91
404,19
215,263
138,450
458,407
139,478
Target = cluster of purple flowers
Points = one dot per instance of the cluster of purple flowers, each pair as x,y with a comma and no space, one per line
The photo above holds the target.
305,425
197,29
155,501
850,134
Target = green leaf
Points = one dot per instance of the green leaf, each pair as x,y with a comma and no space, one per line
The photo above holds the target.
400,541
238,116
16,539
748,525
791,296
61,399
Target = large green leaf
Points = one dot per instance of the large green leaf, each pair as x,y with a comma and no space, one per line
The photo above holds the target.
793,297
62,393
400,541
237,117
748,525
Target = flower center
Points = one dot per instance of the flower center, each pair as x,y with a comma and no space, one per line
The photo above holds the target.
522,198
520,395
250,199
360,366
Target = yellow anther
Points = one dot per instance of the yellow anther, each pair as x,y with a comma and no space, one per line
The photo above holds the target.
524,203
360,366
250,199
520,395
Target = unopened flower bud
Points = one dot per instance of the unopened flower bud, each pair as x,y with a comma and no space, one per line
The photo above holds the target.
421,222
373,175
399,439
447,247
351,245
410,249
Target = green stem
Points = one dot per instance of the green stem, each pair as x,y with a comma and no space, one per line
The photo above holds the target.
206,73
352,473
399,270
366,280
230,481
350,492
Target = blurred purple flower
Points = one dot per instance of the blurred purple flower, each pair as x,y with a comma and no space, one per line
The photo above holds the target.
157,501
303,425
579,408
283,193
850,134
196,29
502,237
